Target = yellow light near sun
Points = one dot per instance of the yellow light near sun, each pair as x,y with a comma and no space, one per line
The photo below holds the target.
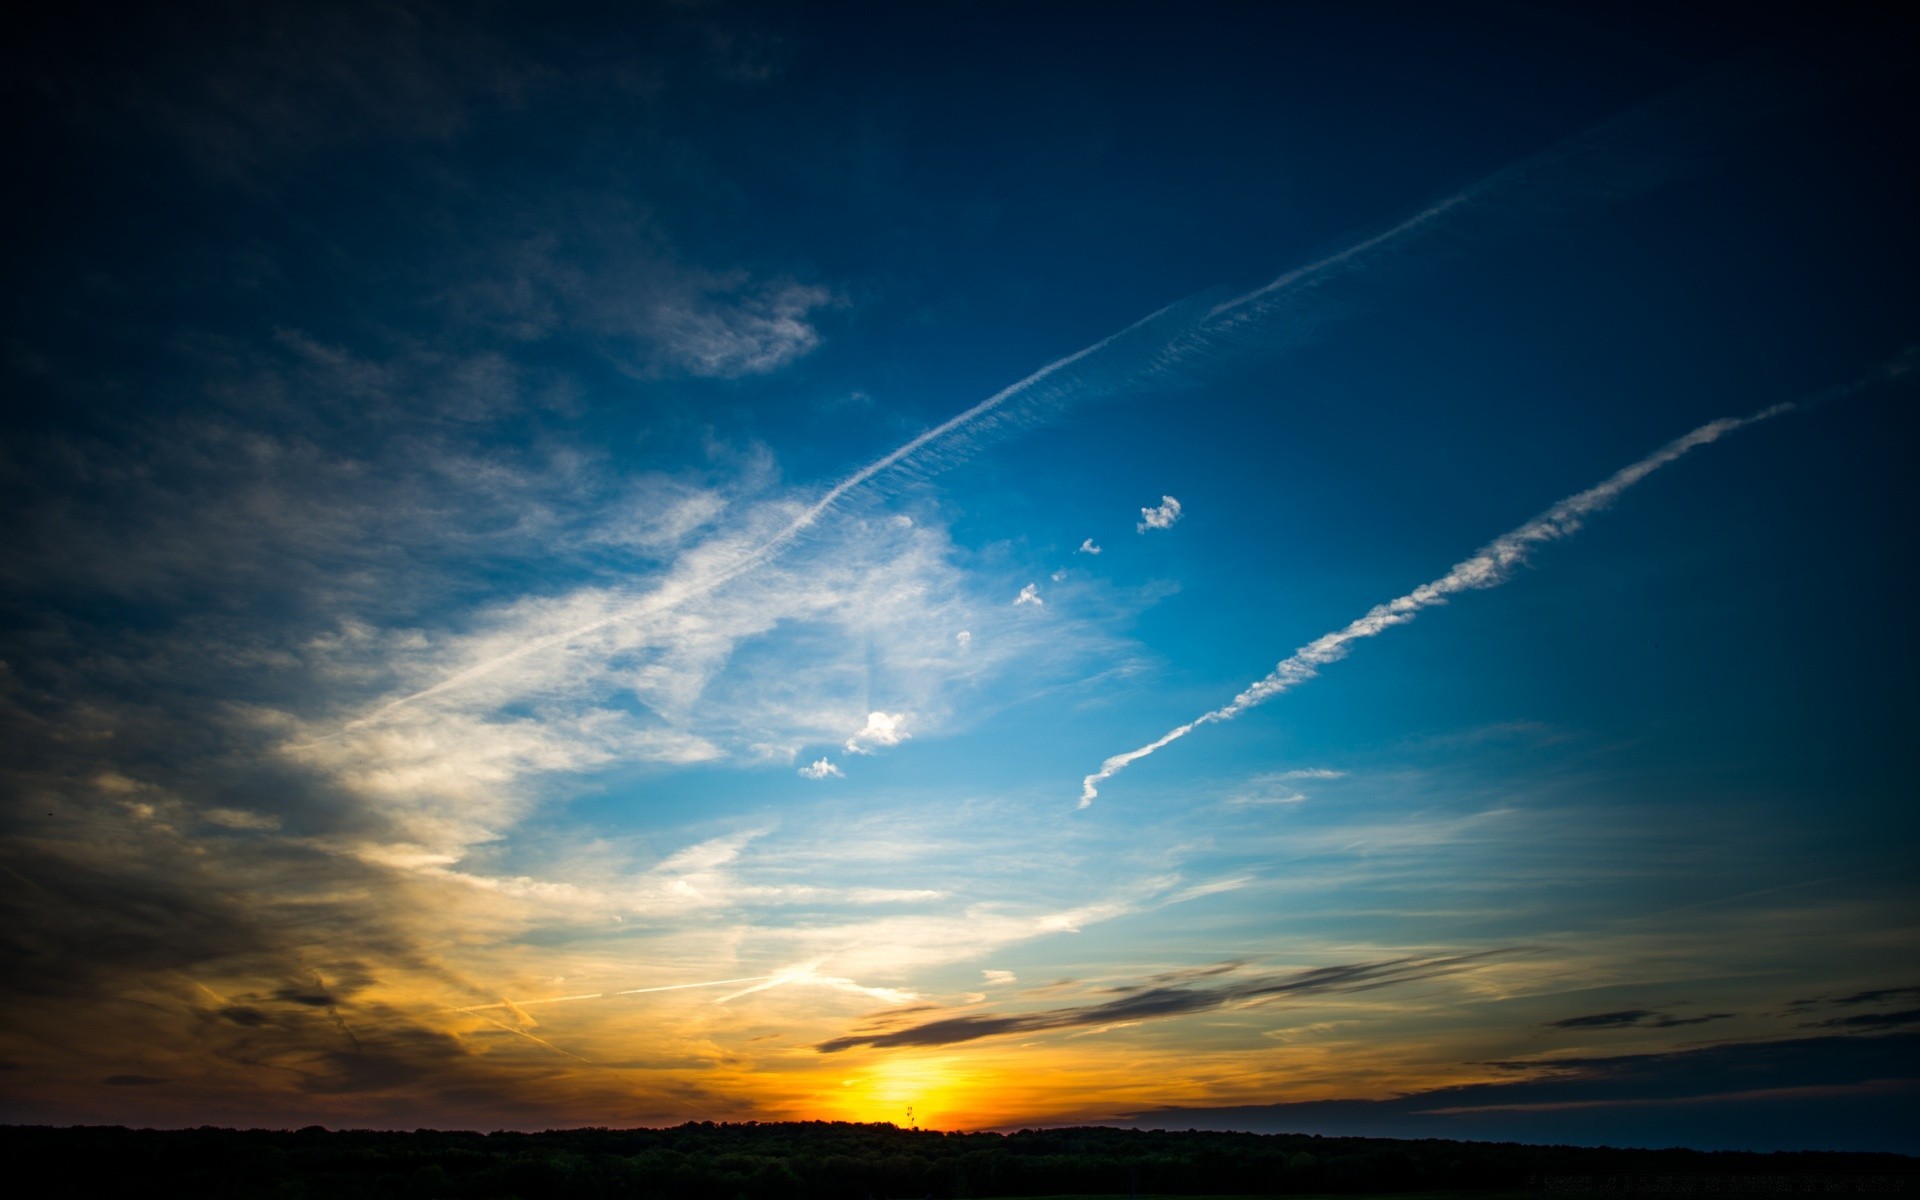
936,1091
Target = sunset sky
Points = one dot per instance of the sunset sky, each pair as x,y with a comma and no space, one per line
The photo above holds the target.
1326,567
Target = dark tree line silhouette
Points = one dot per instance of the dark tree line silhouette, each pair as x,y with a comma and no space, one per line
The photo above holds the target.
819,1160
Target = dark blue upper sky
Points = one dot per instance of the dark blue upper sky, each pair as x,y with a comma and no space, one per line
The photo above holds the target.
514,504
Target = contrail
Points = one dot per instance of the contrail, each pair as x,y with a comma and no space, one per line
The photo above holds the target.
1221,315
1358,250
670,987
1191,335
672,595
1491,566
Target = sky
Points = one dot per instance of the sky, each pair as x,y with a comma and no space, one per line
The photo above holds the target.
1326,567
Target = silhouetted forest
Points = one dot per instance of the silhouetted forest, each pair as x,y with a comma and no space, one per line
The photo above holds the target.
819,1160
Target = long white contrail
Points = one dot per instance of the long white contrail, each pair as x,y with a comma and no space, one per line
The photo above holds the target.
670,987
674,593
1192,335
1491,566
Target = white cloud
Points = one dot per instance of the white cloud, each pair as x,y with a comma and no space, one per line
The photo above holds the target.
1087,547
821,768
1029,594
1161,517
998,978
882,729
1490,567
964,638
1059,575
748,334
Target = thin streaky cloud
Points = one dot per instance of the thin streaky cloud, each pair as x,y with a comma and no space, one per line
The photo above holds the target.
669,987
1493,565
1167,999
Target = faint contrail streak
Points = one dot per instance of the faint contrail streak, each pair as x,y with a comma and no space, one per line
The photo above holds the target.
1491,566
1358,250
670,987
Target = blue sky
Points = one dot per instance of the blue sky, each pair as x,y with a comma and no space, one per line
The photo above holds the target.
515,511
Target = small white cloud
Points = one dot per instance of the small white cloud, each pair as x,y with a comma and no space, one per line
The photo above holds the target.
964,638
973,997
1059,575
903,521
998,978
822,769
1030,594
1162,517
883,729
1087,547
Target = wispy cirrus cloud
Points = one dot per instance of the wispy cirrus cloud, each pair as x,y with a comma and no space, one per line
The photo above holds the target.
1632,1018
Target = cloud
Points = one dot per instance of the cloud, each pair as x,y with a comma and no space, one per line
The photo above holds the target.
963,639
1633,1018
1878,994
1029,594
1278,787
1873,996
1832,1092
998,978
882,729
766,327
748,334
1887,1020
1059,575
1164,1000
820,768
1489,567
1161,517
808,975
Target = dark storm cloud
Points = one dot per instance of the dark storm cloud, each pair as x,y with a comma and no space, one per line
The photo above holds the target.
1149,1002
1633,1018
1834,1092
